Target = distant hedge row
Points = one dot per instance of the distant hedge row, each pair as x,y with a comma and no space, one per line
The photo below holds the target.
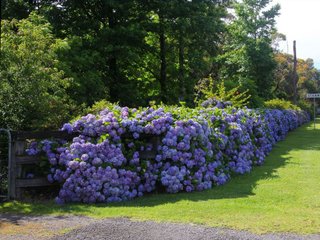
199,148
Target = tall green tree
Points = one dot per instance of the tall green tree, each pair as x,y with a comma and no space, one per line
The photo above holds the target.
112,39
248,57
144,49
309,77
20,9
33,88
186,36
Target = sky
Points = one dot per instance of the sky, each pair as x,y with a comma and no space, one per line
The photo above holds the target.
300,21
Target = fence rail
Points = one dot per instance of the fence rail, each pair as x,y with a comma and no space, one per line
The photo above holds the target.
19,160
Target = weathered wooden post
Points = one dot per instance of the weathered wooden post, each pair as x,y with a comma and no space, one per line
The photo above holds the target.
9,158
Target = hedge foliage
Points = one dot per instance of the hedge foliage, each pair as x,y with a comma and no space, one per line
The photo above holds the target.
198,149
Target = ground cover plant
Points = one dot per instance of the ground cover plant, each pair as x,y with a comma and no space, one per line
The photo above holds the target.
198,149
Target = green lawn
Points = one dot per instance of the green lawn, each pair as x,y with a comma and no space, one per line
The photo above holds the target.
283,195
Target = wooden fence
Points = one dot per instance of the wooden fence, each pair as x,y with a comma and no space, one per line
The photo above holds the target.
19,160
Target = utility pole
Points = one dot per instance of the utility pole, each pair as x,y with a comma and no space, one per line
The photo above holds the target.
295,75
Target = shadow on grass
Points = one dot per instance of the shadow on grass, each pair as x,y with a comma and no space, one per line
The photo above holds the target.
304,138
240,186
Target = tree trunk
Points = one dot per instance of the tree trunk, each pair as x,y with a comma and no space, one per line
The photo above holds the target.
163,66
114,82
181,68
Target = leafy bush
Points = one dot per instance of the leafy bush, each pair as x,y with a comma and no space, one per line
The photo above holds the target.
198,149
281,104
33,88
97,107
207,89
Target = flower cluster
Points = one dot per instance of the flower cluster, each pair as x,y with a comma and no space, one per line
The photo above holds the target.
212,102
123,153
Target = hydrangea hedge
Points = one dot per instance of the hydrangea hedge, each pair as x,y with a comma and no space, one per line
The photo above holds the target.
198,149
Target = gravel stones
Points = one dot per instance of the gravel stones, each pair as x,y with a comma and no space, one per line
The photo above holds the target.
16,227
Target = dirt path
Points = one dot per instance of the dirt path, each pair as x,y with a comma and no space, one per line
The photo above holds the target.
16,227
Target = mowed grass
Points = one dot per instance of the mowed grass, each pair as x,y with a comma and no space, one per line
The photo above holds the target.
283,195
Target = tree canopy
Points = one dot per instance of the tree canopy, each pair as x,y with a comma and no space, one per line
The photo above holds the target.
60,57
33,88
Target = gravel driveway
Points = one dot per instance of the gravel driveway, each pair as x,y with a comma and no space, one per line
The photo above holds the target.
16,227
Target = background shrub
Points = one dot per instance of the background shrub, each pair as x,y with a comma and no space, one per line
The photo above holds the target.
281,104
